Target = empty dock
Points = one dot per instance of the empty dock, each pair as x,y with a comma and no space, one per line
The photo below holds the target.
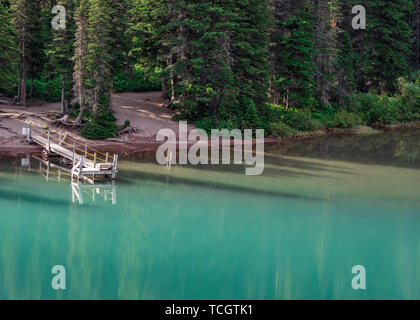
86,162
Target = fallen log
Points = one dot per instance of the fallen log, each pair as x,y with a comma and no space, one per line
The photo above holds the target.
128,130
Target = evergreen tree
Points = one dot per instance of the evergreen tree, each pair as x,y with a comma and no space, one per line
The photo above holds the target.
145,40
119,35
20,18
214,57
98,62
98,56
39,29
415,23
327,16
8,52
80,74
61,50
346,74
250,54
294,71
384,47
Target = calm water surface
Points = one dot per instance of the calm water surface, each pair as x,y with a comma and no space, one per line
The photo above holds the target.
321,207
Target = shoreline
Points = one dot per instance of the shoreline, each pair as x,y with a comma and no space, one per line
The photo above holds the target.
19,148
147,113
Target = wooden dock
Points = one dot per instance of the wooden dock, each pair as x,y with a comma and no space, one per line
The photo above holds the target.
81,191
85,161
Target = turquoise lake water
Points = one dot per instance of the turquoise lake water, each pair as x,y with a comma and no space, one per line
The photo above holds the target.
322,206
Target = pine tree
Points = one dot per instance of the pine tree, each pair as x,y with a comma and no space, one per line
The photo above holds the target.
119,36
8,52
327,32
214,57
98,56
346,75
144,36
39,29
20,18
61,50
293,83
384,47
93,63
80,74
415,23
250,54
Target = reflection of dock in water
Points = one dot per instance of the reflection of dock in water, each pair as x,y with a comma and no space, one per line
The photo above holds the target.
80,190
85,160
92,191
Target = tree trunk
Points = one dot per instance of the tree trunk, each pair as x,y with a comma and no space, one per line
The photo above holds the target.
172,83
417,32
81,95
78,120
18,93
31,88
165,90
23,86
63,94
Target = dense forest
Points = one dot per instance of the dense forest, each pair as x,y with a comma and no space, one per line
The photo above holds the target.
286,66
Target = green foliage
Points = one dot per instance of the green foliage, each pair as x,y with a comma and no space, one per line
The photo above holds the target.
385,46
47,90
8,53
137,82
346,120
280,129
300,120
295,54
100,125
214,57
384,110
371,109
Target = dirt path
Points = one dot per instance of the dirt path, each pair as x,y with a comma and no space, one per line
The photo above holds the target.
145,110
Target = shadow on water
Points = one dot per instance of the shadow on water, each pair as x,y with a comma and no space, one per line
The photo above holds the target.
31,198
399,148
165,178
275,166
396,148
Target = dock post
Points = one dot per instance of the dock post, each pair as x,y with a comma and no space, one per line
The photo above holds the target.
107,156
114,167
74,154
169,160
94,164
48,171
85,150
82,163
29,133
114,199
49,142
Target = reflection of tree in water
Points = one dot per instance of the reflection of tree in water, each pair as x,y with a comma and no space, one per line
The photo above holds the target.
397,148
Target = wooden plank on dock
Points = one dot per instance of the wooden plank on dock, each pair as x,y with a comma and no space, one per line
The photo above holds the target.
81,164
